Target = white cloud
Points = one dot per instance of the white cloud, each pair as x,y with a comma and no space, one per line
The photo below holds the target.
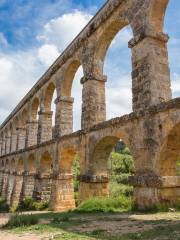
62,30
20,70
47,53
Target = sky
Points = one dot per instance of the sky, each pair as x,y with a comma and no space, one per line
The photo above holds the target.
34,33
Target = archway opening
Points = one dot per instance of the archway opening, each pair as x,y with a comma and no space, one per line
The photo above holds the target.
169,166
113,58
14,136
71,87
13,166
46,164
77,95
20,166
70,165
112,165
31,165
171,27
170,154
50,107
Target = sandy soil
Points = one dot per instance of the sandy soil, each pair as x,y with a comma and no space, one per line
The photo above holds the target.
113,224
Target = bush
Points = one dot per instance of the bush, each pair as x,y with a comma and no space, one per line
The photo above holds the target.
121,203
21,221
116,190
28,204
40,206
3,206
14,208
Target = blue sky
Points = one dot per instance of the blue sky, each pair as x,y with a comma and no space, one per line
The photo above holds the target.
34,32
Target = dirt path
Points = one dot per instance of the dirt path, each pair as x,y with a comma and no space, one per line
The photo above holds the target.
26,236
114,224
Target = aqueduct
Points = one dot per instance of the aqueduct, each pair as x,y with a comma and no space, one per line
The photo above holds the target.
36,160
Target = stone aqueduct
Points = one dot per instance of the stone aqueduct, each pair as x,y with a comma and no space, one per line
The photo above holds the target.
36,161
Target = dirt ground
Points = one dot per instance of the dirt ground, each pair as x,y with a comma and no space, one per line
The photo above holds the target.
117,224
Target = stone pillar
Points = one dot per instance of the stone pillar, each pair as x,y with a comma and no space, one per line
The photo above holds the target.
1,181
28,185
10,187
8,144
17,190
14,139
42,189
62,194
64,116
150,70
93,186
21,138
32,132
5,185
45,126
93,98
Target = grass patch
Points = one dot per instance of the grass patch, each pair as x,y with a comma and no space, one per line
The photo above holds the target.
160,208
18,220
95,204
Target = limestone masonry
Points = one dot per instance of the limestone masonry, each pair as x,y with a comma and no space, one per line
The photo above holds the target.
36,160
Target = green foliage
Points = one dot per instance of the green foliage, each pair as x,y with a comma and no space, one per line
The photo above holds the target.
122,166
21,221
28,204
14,208
3,206
40,206
121,163
76,173
116,190
95,204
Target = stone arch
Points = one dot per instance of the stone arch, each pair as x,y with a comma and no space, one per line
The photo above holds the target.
20,166
102,148
101,154
104,43
13,165
31,164
170,152
34,109
1,165
48,96
14,134
157,11
24,117
68,77
67,156
7,165
46,163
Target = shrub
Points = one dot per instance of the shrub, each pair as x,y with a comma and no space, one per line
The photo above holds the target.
3,206
21,221
121,203
27,204
40,206
116,190
14,208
